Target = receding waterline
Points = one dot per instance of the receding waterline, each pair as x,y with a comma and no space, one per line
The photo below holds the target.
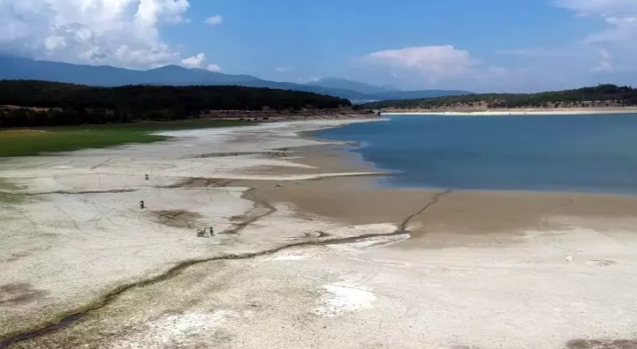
563,153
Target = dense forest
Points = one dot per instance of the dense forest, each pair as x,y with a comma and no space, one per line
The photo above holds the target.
26,103
599,96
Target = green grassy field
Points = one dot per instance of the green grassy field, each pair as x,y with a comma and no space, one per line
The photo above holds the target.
28,142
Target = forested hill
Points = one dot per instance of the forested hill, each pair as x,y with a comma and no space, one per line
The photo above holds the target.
38,103
599,96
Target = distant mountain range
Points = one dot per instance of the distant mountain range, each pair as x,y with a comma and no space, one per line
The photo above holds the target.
343,84
17,68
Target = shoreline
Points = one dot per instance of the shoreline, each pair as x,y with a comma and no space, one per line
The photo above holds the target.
518,112
346,152
342,158
359,163
299,246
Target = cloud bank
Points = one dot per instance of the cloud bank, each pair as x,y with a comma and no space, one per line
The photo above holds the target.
432,62
118,32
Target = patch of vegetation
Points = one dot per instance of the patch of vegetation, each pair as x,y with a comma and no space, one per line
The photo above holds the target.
599,96
28,142
29,103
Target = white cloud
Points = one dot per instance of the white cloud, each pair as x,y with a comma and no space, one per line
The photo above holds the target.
604,64
214,20
199,61
438,67
195,61
282,70
432,62
606,55
213,68
54,42
118,32
540,52
149,12
620,17
621,31
606,8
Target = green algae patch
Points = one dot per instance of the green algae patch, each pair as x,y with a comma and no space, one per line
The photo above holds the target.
30,142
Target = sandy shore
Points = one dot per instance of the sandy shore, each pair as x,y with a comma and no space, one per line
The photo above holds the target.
520,111
309,253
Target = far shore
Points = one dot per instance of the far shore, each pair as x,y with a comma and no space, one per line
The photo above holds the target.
517,111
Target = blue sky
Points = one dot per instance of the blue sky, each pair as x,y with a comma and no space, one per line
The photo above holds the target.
481,45
320,36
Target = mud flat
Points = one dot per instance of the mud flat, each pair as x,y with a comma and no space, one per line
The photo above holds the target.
308,253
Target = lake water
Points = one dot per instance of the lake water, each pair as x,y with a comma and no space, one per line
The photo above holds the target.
578,153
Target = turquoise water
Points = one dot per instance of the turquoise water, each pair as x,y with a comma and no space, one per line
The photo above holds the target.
576,153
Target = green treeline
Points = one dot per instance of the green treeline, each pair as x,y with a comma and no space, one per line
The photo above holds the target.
27,103
599,96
